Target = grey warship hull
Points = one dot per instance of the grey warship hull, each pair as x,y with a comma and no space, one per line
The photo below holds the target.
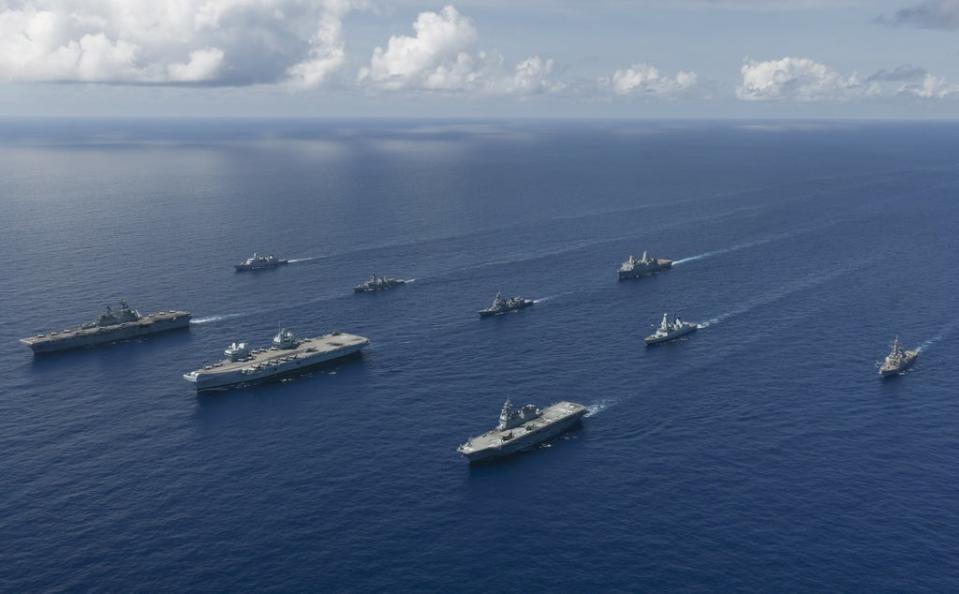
640,271
82,337
486,313
555,420
654,339
908,361
255,267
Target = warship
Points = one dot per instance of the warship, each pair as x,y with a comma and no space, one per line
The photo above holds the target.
122,323
521,429
257,262
379,283
670,330
898,360
286,356
633,268
502,305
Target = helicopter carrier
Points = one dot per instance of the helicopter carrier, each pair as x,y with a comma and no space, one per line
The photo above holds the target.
521,429
113,324
286,356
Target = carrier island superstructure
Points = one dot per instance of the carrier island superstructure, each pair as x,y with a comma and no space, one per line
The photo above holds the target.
286,356
113,324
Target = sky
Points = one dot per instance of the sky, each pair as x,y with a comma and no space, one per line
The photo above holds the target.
890,59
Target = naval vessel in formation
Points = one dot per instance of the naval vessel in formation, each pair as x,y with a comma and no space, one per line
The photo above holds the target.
670,330
633,268
286,356
521,429
898,360
379,283
503,305
256,262
122,323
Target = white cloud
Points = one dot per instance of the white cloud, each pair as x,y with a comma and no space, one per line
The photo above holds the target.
437,58
213,42
930,14
643,79
796,79
931,87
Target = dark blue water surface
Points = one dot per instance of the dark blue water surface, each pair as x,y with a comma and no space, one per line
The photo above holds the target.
762,453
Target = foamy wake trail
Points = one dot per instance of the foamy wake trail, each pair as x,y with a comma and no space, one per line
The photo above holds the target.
212,319
945,332
787,290
542,299
735,248
298,260
599,406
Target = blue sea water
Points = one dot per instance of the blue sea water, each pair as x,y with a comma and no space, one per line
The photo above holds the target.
760,454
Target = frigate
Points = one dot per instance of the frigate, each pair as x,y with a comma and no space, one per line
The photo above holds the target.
379,283
113,324
633,268
898,360
287,355
670,330
522,428
503,305
257,262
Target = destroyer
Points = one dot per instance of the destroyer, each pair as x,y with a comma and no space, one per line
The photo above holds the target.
670,330
502,305
286,356
521,429
122,323
256,262
633,268
898,360
379,283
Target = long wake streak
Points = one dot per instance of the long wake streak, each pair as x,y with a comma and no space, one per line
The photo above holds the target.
787,290
220,318
946,331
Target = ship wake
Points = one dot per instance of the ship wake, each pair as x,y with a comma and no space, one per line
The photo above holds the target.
788,290
597,407
213,319
946,331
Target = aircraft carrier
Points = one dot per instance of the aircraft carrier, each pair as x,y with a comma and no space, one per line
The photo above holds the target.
122,323
633,268
521,429
286,356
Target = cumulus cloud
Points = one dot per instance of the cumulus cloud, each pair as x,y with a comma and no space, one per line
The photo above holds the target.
438,58
643,79
931,87
212,42
796,79
930,14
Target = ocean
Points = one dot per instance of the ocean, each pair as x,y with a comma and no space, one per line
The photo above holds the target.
760,454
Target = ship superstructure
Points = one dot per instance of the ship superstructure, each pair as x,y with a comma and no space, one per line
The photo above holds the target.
379,283
670,330
112,324
287,355
522,428
633,268
257,262
502,305
898,359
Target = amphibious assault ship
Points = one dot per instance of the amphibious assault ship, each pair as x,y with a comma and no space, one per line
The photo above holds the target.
898,360
670,330
502,305
521,429
379,283
257,262
633,268
122,323
286,356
